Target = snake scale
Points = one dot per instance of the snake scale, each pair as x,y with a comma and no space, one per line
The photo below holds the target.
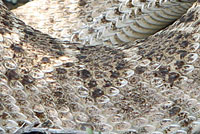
115,66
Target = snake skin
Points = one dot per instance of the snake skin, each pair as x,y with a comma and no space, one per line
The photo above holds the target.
147,86
108,22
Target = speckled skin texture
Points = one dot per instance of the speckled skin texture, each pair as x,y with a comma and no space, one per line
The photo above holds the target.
149,86
97,22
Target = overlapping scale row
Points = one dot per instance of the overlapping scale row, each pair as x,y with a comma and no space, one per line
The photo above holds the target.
112,22
129,20
27,94
148,88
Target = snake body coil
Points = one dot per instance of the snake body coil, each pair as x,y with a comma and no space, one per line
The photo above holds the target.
112,82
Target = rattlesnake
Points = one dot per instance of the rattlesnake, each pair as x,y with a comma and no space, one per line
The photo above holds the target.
107,22
56,85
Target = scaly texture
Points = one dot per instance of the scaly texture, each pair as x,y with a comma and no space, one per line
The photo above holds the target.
111,22
150,86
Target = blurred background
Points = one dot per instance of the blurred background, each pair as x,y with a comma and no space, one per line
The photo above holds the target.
12,4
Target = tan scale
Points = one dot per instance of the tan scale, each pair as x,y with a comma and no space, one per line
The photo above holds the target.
113,22
146,87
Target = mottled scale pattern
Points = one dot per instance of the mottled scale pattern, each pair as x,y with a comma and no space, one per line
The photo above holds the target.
147,86
108,22
128,20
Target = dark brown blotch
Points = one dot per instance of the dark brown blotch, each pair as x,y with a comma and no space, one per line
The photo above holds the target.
163,70
179,64
84,74
12,75
17,48
117,11
114,74
58,94
40,115
140,69
92,84
174,111
61,101
120,65
61,70
107,83
97,93
26,80
171,50
184,44
182,53
5,116
29,32
178,36
45,60
82,3
68,64
171,34
173,76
